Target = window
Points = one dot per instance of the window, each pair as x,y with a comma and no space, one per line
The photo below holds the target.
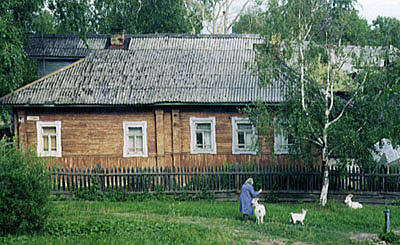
48,139
243,136
283,141
135,140
202,132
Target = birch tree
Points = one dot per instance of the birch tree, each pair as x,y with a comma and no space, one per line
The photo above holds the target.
220,15
325,81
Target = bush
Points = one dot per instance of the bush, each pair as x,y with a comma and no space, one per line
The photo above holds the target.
390,237
24,191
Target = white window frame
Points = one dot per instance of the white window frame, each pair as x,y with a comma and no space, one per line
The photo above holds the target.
281,142
193,148
39,130
235,148
140,124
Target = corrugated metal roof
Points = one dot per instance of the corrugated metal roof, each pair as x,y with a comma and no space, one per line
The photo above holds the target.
156,69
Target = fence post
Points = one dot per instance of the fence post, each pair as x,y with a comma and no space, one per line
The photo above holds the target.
237,184
99,170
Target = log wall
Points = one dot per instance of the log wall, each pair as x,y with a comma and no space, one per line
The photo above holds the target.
95,136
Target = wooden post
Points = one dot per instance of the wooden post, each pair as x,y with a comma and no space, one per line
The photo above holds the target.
21,128
237,184
176,138
62,179
159,114
68,176
99,171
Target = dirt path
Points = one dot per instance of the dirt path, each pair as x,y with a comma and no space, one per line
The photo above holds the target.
365,237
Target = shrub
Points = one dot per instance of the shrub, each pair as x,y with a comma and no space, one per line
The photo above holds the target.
390,237
24,191
396,202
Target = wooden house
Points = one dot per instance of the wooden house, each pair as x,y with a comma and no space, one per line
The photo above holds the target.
146,100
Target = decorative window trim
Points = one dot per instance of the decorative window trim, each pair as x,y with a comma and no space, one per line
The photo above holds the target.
39,133
193,148
281,142
235,148
127,125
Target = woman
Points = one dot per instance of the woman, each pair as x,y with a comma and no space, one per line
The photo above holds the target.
246,194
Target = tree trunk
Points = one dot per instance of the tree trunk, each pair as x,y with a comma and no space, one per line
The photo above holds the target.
225,17
325,179
325,185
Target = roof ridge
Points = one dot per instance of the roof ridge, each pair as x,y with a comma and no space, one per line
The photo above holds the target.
67,35
184,35
232,35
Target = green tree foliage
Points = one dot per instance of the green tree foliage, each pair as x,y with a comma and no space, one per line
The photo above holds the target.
72,16
134,16
251,22
346,24
164,16
42,23
20,12
115,14
386,31
12,55
15,23
351,28
333,105
24,191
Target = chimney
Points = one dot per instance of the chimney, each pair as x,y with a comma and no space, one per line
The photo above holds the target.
117,39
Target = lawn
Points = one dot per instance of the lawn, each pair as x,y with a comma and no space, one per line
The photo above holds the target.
204,222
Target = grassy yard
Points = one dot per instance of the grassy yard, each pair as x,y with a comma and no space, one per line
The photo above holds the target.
204,222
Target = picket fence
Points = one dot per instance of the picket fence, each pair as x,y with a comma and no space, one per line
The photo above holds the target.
223,179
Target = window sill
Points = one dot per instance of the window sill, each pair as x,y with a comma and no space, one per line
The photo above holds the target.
238,152
135,155
49,154
203,152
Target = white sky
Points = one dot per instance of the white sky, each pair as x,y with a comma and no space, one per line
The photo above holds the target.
370,9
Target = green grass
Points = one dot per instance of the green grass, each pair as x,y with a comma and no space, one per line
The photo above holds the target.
203,222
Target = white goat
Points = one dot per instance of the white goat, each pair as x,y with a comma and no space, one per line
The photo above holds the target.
259,210
294,217
352,204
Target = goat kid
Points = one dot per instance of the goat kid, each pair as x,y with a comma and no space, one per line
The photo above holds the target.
294,217
259,210
352,204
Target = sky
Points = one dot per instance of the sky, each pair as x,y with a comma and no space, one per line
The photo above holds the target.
370,9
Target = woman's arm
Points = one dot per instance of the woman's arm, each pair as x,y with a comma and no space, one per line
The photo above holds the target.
252,192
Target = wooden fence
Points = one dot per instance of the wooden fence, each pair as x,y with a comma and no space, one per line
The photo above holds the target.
224,179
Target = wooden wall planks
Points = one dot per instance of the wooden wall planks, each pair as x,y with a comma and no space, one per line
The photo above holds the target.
91,136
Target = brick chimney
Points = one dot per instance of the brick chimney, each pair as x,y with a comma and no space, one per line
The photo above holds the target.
117,39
